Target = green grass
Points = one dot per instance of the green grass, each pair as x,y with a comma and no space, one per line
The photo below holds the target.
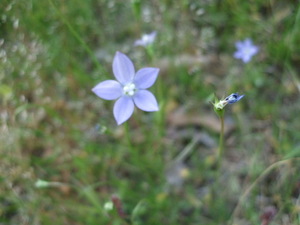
53,128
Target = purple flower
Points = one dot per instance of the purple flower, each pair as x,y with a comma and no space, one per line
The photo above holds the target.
146,39
129,88
235,97
245,50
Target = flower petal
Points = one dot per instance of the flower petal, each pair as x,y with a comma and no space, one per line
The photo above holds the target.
235,97
246,58
238,55
152,36
108,90
145,77
248,42
123,68
239,44
123,109
145,101
139,43
254,49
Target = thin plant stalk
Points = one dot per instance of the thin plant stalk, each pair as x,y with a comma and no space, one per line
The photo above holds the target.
127,135
219,109
161,115
131,147
159,89
221,144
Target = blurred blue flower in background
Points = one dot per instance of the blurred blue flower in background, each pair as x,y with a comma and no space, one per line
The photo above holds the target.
146,39
129,89
245,50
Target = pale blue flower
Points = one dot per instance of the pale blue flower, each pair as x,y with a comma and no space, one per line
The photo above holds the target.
147,39
245,50
129,88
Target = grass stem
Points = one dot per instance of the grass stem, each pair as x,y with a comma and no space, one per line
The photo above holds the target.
257,180
221,144
79,39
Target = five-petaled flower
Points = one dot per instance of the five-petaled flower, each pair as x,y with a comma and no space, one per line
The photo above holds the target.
235,97
129,88
146,39
245,50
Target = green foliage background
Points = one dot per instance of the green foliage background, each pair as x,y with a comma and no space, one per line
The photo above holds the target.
53,128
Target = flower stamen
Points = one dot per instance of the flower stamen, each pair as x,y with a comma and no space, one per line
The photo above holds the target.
129,89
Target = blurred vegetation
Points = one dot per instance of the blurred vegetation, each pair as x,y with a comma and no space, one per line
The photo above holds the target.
54,129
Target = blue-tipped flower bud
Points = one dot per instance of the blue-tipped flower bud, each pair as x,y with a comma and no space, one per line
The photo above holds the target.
235,97
220,104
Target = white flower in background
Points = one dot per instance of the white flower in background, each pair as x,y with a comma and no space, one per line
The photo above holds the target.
147,39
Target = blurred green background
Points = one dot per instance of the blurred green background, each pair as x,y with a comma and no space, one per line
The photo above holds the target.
63,159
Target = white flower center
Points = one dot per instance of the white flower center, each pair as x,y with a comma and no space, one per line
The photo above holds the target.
129,89
248,51
146,38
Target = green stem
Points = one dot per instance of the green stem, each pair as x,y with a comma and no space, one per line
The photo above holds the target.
221,144
132,149
127,135
161,121
159,90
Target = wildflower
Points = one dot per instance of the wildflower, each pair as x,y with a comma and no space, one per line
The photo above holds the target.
235,97
147,39
129,88
245,50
